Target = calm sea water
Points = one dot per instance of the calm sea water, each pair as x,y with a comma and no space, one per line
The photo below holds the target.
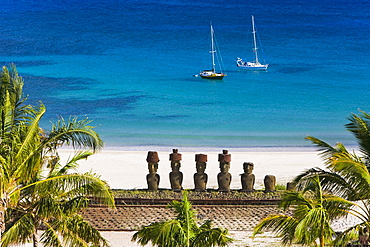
129,65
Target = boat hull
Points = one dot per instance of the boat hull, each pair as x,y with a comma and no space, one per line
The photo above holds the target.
262,67
250,65
212,75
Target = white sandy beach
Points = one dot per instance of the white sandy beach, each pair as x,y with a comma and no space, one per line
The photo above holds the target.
128,169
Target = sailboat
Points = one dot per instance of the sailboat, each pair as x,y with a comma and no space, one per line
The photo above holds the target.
255,65
212,74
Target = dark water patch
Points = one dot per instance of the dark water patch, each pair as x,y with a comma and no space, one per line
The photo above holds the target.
77,107
293,70
47,89
207,103
27,63
44,89
51,45
170,117
119,102
61,83
112,95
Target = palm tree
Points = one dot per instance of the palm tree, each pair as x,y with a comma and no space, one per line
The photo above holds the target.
35,189
183,230
309,221
53,203
347,174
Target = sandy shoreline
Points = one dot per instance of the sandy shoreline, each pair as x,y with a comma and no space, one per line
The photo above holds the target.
128,169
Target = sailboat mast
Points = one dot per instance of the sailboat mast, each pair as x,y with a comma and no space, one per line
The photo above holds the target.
254,40
212,50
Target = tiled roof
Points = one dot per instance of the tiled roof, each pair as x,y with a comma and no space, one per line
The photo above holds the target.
133,217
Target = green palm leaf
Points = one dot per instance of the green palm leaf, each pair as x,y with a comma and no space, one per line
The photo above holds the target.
182,231
360,127
74,132
21,231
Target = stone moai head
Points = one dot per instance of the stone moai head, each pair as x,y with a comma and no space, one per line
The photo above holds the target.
270,182
224,160
175,159
290,186
152,160
201,164
248,178
248,167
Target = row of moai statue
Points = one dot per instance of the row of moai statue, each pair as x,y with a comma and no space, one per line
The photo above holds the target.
200,177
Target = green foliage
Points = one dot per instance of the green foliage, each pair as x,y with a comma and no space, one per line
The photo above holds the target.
309,222
182,231
346,174
280,187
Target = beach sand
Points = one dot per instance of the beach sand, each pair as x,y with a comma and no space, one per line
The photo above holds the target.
242,239
128,169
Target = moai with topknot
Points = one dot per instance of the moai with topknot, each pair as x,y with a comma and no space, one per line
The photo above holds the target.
176,176
200,177
224,177
152,178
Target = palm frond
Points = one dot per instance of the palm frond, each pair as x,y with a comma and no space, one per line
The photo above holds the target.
282,225
182,231
336,206
77,133
51,238
330,181
75,184
72,162
162,234
212,237
183,210
326,150
76,233
19,230
293,198
351,233
360,128
28,155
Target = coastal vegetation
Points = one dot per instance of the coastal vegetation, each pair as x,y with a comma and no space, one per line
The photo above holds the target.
37,191
310,220
183,231
346,177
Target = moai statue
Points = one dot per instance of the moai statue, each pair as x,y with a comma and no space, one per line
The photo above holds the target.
176,176
152,178
290,186
248,178
224,177
200,178
270,182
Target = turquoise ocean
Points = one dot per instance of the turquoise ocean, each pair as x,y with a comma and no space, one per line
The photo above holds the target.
128,65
